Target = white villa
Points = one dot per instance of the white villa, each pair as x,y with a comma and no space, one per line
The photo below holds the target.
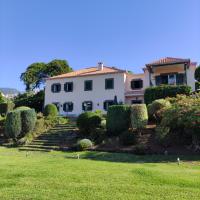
96,88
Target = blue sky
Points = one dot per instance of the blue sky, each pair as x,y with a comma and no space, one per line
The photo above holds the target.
123,33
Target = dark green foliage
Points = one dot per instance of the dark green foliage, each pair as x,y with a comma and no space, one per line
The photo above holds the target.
197,73
197,86
139,116
127,138
157,108
6,107
31,100
84,144
50,110
88,121
118,119
1,98
28,118
35,73
163,91
13,124
98,135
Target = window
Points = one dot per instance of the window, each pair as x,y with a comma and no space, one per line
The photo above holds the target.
109,83
107,103
87,105
68,87
56,87
180,79
68,107
57,104
136,101
136,84
170,79
88,85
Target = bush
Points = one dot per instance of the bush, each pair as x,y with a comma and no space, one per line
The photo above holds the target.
98,135
50,110
13,125
127,138
84,144
6,107
28,118
139,116
163,91
21,108
181,123
88,121
118,119
31,100
157,108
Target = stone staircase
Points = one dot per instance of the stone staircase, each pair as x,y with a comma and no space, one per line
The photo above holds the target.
61,137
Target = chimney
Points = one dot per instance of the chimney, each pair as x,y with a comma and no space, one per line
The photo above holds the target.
100,66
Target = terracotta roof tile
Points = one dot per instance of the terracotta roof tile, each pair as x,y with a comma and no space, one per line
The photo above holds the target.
88,72
168,60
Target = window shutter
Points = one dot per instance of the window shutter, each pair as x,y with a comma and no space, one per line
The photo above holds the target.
158,80
180,79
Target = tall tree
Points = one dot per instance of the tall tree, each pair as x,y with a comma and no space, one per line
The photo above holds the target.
35,73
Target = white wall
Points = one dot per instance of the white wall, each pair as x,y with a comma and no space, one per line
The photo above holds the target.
190,76
98,95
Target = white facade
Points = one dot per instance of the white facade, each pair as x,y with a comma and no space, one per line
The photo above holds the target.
97,95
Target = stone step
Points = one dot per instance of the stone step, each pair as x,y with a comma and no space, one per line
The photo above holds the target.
33,149
42,147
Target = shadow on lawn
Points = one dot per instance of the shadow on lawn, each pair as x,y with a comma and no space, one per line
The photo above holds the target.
131,158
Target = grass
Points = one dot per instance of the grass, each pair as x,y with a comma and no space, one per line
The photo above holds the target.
96,176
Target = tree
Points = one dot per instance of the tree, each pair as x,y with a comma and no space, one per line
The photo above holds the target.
35,73
1,98
197,73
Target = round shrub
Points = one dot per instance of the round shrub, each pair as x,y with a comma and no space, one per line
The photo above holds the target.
28,118
13,124
22,108
139,116
84,144
98,135
157,108
50,110
88,121
127,138
118,119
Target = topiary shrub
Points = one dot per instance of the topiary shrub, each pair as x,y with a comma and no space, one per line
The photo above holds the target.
6,107
21,108
50,110
13,124
118,119
84,144
88,121
163,91
28,118
139,116
98,135
127,138
157,108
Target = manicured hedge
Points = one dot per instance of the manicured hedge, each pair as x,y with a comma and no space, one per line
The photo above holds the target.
118,119
139,116
88,121
163,91
13,125
84,144
50,110
6,107
157,108
28,118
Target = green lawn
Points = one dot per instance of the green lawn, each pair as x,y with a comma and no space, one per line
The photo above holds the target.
59,175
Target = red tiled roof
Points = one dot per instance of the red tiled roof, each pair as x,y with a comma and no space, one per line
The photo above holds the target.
89,72
168,60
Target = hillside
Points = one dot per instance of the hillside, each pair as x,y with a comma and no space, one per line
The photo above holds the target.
9,91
